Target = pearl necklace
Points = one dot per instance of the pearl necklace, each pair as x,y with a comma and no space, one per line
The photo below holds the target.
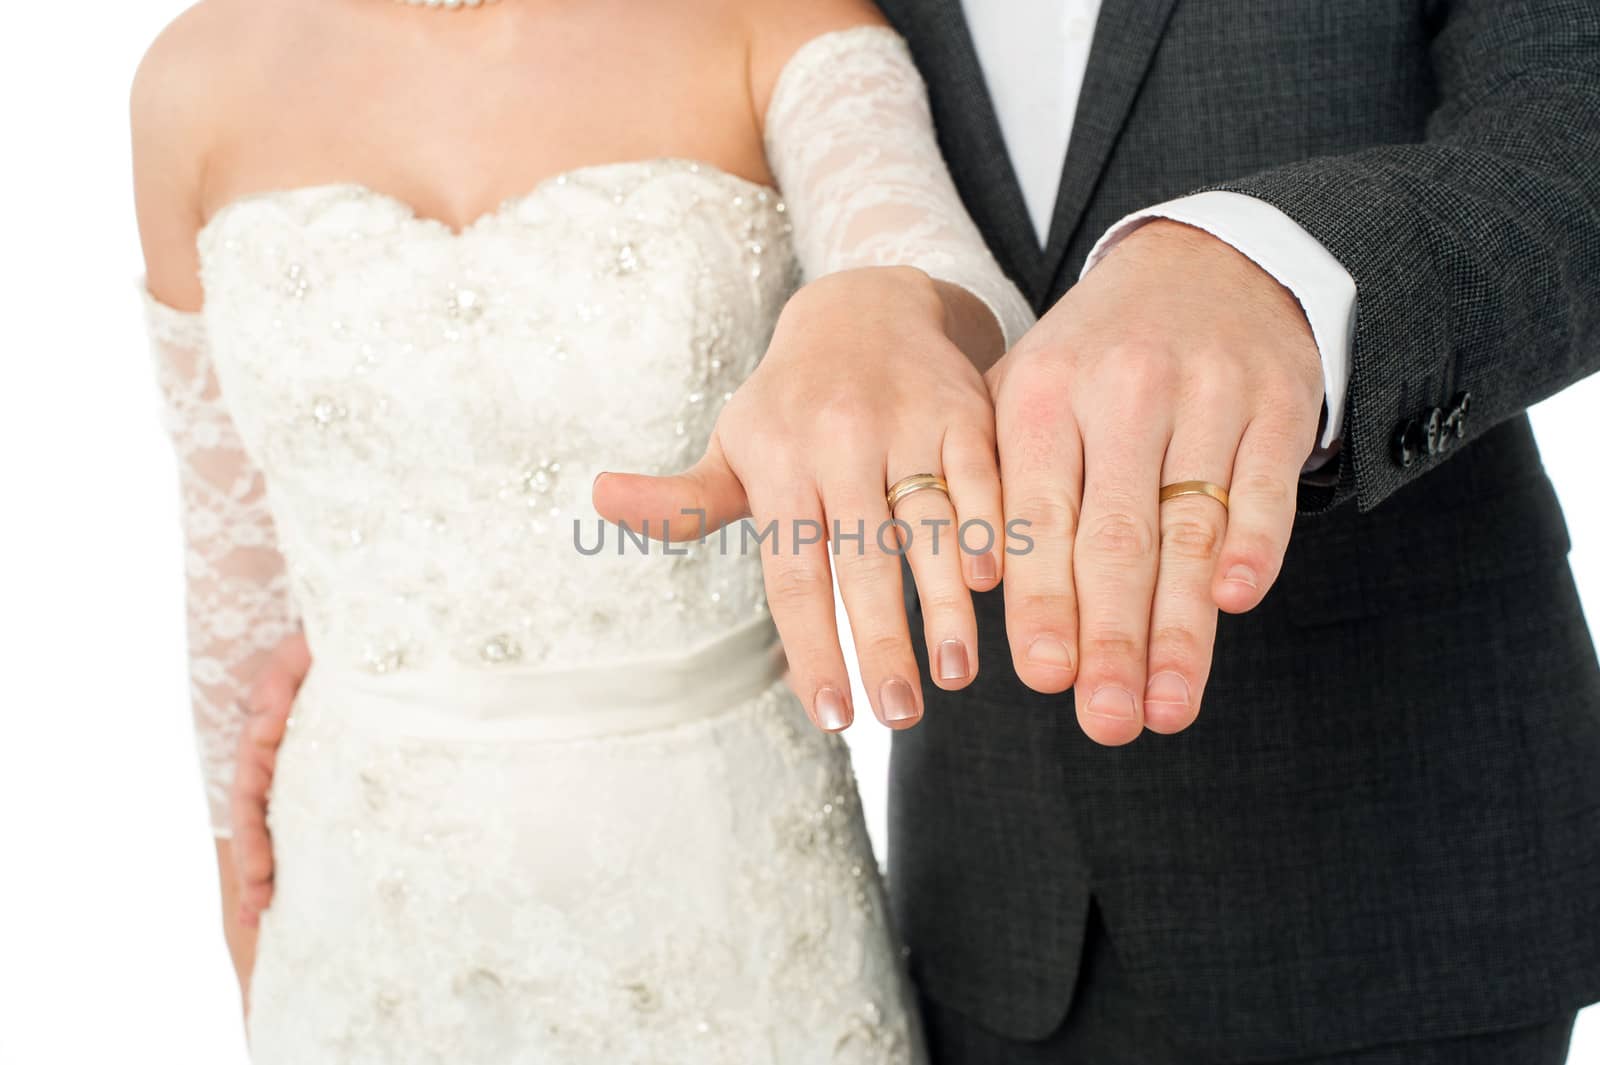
445,3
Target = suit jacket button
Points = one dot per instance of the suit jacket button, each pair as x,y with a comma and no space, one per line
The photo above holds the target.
1406,441
1434,431
1458,417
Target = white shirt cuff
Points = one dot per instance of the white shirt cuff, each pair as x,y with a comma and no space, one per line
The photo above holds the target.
1296,260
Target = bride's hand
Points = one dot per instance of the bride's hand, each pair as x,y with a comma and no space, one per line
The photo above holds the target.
870,378
239,935
269,705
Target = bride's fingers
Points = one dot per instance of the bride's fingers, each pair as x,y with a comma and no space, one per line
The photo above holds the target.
948,622
252,782
252,842
972,470
799,584
686,506
867,556
269,705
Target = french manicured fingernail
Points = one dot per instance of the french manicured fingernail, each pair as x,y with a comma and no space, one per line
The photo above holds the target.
1241,575
899,702
1113,702
832,713
1050,651
953,661
984,567
1168,689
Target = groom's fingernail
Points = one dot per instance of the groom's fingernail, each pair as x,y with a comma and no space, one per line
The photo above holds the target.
1241,575
953,661
899,702
1169,692
1050,651
1113,702
832,713
984,567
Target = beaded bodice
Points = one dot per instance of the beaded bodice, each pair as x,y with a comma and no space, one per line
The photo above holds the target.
430,408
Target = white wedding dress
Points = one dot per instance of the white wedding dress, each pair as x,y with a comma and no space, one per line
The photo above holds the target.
537,805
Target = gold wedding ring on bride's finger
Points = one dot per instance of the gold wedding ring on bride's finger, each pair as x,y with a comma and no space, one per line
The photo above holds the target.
1195,488
917,482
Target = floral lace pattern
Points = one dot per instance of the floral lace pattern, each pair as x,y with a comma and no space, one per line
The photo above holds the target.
850,138
238,592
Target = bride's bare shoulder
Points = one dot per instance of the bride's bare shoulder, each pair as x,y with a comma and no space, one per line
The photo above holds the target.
779,28
202,44
213,52
188,71
178,100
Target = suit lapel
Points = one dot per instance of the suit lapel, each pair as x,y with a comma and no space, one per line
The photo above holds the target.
969,131
1125,40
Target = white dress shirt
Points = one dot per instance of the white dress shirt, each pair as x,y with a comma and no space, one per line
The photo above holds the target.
1034,55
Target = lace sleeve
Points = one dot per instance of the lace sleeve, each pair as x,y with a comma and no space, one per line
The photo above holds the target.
238,598
850,138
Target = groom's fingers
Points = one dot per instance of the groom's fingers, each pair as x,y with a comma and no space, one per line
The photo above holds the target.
683,507
1183,617
1041,469
1115,568
1262,503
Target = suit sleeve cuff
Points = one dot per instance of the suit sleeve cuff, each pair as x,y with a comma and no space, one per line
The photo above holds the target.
1296,260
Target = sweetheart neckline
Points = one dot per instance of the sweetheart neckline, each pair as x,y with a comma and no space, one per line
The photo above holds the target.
655,167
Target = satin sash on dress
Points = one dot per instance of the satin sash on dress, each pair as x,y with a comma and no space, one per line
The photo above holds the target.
612,699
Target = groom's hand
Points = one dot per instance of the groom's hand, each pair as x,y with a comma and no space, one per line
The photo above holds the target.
1175,359
867,381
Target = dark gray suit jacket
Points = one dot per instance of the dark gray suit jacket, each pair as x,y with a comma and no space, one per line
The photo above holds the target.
1386,824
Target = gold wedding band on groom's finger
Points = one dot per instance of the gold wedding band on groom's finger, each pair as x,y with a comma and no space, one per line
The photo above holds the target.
917,482
1195,488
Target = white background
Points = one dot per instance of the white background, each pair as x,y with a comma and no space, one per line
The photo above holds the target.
109,949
